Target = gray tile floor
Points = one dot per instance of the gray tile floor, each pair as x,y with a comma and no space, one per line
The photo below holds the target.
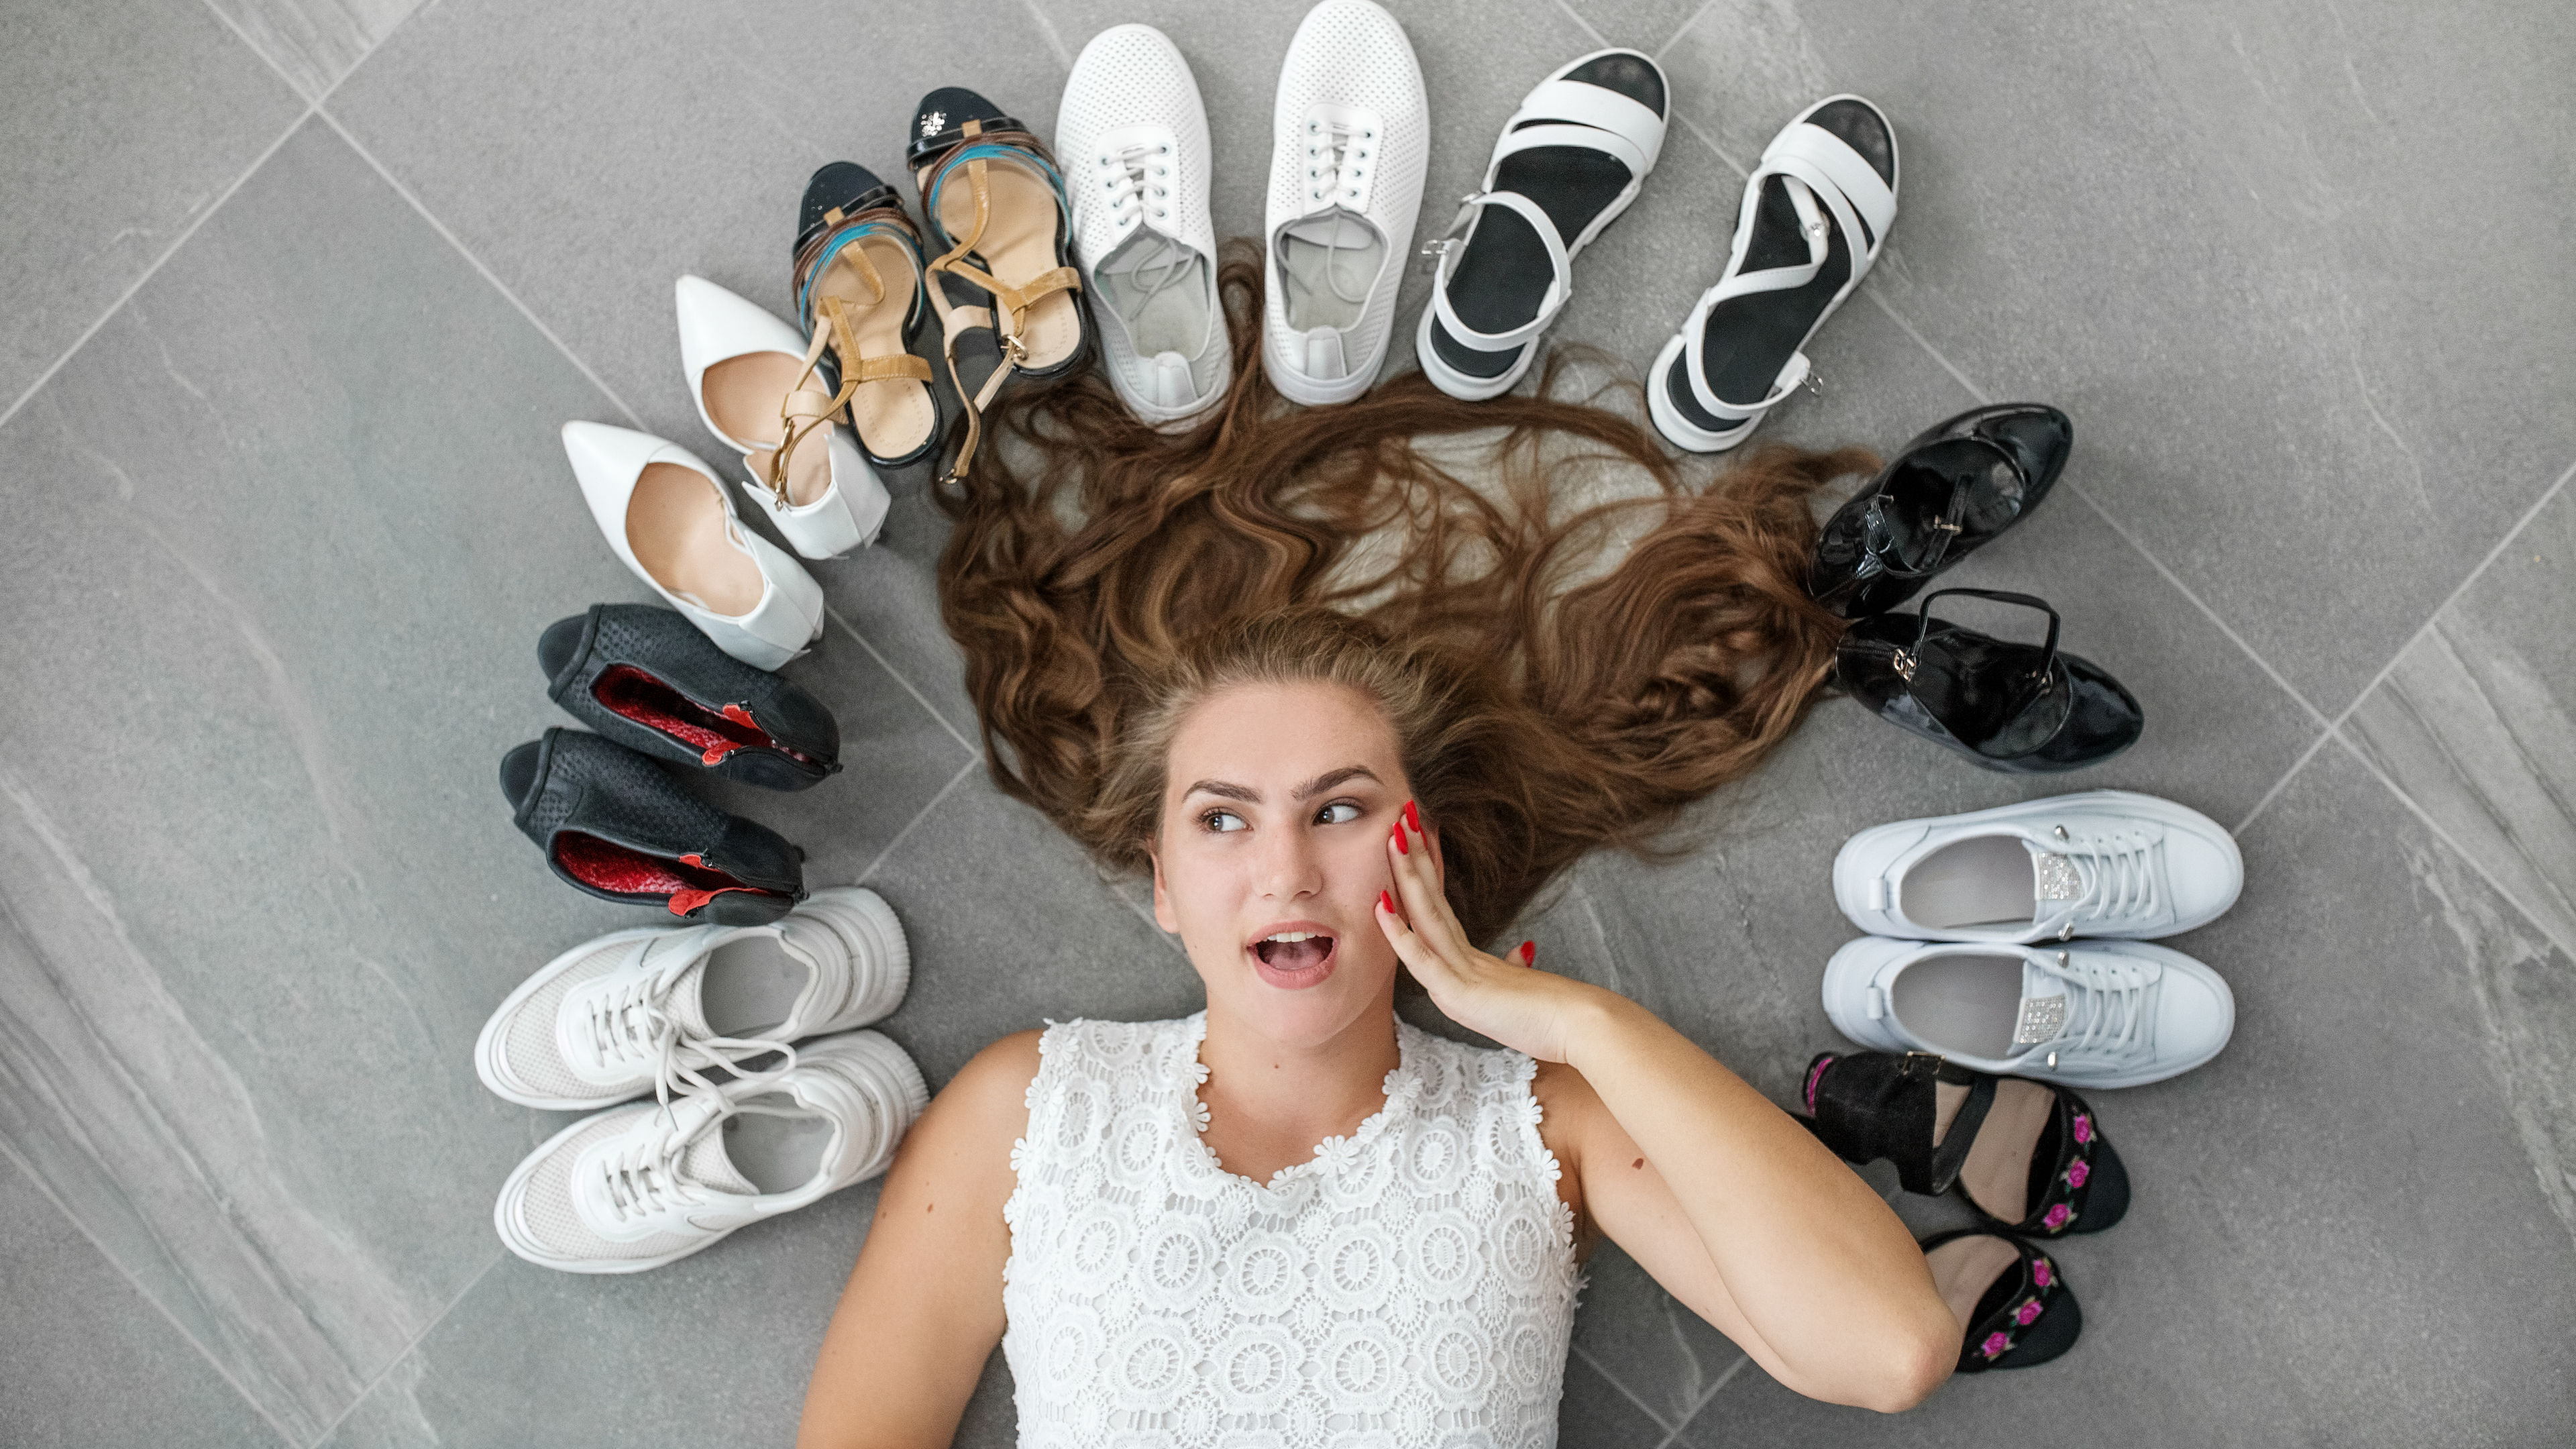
294,294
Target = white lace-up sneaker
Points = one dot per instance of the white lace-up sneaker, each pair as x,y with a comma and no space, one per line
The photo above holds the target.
2088,1014
646,1010
2099,863
1132,136
642,1185
1351,140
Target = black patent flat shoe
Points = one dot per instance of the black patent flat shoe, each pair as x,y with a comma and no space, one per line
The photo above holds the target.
2029,1156
1953,490
647,679
614,826
2020,708
2010,1297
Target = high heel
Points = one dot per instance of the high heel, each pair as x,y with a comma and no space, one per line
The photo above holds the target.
2010,1298
614,826
994,201
1956,488
2018,708
858,284
2029,1156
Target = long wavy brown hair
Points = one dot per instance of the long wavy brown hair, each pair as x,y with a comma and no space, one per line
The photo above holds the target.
1559,677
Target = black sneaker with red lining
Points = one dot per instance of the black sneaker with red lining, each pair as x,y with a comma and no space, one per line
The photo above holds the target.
647,679
613,825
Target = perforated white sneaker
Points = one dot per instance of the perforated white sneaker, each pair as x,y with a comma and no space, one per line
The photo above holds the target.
652,1009
1351,141
1132,137
2097,863
642,1185
2089,1013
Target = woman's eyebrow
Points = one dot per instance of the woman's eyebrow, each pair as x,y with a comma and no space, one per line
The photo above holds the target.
1330,778
1244,793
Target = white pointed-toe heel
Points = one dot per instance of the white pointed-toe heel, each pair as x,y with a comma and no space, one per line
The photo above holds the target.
746,369
671,521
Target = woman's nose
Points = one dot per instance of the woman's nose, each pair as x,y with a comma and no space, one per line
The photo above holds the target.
1290,866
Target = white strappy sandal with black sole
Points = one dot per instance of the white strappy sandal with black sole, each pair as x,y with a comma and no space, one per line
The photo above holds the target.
1569,161
1815,217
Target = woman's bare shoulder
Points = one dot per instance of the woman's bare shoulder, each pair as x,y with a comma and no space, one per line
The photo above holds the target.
992,1089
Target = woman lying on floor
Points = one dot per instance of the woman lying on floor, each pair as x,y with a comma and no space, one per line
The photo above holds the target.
1353,685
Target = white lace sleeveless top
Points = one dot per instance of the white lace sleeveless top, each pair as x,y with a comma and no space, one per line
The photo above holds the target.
1413,1284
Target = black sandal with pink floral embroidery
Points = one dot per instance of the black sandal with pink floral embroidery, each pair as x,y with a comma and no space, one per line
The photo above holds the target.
2012,1297
2029,1156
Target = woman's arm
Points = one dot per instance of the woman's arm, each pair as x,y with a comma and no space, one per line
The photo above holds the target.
1805,1267
924,1305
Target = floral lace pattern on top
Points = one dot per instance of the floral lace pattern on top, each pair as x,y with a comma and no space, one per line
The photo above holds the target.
1411,1284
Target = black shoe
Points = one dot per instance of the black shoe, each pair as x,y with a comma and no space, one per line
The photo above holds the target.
2011,1295
2029,1156
2021,708
647,679
1952,491
615,826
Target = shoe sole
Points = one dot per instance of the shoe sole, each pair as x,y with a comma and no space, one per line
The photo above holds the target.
2163,811
871,931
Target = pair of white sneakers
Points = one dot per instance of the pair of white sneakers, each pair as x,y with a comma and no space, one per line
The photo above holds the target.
656,1010
1350,145
2014,940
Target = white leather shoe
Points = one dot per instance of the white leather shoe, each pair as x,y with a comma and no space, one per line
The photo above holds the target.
1132,137
1351,141
2097,863
672,522
2088,1013
651,1008
742,364
639,1186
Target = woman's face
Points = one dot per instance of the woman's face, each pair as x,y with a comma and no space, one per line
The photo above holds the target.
1276,810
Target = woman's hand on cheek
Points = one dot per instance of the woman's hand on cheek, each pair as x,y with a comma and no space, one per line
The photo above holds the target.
1530,1011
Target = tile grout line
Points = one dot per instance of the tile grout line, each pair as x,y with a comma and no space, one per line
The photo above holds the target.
1907,327
924,814
1675,38
2453,597
408,1349
2283,783
10,1153
2206,611
310,110
1046,26
476,263
1630,1394
887,665
1577,17
1713,148
1728,1377
2443,834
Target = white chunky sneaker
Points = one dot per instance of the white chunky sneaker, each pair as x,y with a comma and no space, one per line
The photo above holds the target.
1132,137
2088,1013
648,1009
642,1185
2099,863
1351,141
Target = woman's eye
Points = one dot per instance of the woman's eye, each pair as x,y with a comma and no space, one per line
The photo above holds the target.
1340,812
1223,822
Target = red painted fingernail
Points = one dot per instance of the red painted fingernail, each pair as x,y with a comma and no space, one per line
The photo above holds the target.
1400,847
1413,817
1386,902
1529,953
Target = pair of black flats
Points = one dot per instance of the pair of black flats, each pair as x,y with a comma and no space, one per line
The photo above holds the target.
617,825
2030,1157
2017,707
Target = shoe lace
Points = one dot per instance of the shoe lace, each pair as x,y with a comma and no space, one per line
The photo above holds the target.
2119,876
637,1024
1338,153
1138,180
2110,1009
646,1176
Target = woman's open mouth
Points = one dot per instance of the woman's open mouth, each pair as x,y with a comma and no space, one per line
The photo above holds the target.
1294,955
